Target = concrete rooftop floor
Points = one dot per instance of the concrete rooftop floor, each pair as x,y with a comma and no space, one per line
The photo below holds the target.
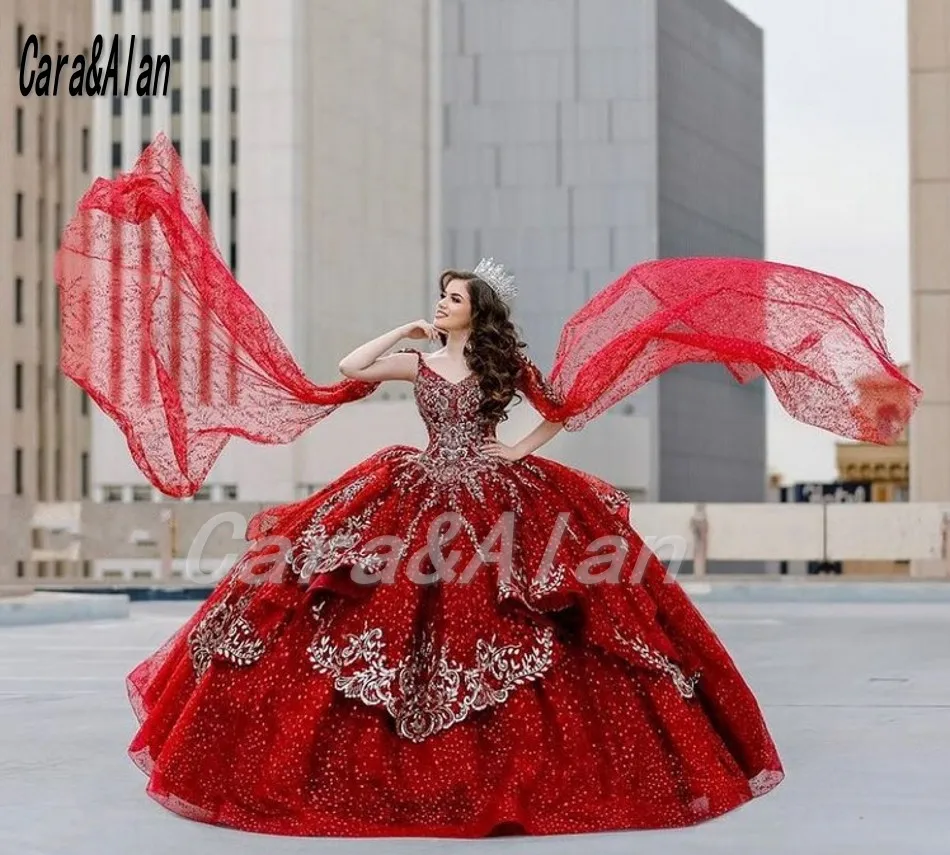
856,694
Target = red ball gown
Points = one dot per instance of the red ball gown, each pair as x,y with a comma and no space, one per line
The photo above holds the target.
484,696
435,644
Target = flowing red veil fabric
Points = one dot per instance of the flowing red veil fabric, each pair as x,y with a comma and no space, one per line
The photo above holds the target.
162,337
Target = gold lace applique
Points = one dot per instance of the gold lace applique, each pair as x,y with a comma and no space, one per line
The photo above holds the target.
686,686
318,550
427,692
225,633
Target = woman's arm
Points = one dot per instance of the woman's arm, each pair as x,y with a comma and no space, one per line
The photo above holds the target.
367,362
544,432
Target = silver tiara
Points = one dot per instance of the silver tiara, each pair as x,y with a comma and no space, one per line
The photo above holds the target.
501,281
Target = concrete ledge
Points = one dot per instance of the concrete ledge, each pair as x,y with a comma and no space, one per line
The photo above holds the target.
731,588
44,607
789,589
137,593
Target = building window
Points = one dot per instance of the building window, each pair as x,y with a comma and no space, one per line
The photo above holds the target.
206,47
147,46
205,152
176,4
116,105
18,471
234,203
116,155
147,106
111,493
58,475
146,7
18,386
18,216
84,475
233,256
19,130
176,48
229,492
19,43
40,219
205,4
233,46
205,99
141,493
84,403
206,201
234,150
116,7
234,99
176,100
176,144
203,494
18,300
85,149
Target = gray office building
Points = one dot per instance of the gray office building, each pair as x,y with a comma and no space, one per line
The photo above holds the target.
584,136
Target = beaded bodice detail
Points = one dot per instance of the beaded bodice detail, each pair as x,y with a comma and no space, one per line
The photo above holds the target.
451,414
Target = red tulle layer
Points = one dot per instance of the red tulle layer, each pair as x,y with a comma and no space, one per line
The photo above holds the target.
332,707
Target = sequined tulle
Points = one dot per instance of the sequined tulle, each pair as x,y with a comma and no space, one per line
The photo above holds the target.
336,690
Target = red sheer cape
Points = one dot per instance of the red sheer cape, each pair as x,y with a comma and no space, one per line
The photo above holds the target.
157,331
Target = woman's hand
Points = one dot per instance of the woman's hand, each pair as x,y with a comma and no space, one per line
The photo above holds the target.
494,448
421,329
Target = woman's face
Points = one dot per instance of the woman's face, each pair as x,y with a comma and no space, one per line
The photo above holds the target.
454,310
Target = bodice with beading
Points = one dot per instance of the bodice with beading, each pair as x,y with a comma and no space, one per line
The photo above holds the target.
451,414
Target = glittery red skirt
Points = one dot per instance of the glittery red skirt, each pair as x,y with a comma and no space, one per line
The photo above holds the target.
421,651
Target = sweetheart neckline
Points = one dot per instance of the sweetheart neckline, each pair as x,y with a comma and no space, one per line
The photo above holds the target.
446,379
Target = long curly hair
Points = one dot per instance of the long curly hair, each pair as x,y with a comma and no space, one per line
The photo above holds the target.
493,349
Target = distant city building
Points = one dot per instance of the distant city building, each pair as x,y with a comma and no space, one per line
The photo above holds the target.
620,131
928,59
45,165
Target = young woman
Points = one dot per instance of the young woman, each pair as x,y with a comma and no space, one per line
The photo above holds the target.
462,640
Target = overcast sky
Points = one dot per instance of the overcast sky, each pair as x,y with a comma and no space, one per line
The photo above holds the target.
836,169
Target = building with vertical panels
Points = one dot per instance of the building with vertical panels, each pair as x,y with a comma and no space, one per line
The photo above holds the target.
199,114
928,58
45,164
710,201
